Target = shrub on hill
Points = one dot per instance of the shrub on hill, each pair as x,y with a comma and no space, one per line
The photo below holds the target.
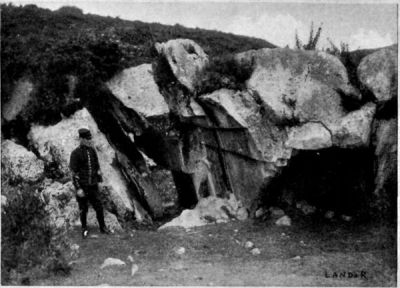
223,72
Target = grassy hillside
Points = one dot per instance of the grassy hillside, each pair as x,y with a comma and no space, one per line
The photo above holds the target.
46,46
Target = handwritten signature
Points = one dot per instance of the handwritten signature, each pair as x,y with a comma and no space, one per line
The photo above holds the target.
346,274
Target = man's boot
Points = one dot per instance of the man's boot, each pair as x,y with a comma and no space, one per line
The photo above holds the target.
105,230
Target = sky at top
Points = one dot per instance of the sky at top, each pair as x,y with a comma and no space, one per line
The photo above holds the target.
361,25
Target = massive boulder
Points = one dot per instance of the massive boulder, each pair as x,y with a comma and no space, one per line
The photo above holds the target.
185,57
298,85
378,72
20,97
55,144
20,164
136,89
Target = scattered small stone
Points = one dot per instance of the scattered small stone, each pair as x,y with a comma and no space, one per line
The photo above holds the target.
210,235
236,230
249,245
93,236
329,214
3,200
346,218
296,258
168,204
260,212
283,234
276,212
74,247
306,208
130,258
178,266
180,250
134,269
255,251
242,214
111,262
284,221
302,243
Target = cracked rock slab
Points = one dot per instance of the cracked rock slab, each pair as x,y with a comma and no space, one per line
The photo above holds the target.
136,88
310,136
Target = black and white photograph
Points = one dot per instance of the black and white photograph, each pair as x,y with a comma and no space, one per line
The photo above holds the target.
189,143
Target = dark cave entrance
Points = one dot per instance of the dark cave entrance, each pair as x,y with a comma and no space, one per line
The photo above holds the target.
341,180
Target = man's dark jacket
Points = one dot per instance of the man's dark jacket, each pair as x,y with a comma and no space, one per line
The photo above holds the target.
85,167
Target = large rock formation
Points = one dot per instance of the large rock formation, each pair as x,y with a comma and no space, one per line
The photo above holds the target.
378,72
185,57
18,163
55,144
226,143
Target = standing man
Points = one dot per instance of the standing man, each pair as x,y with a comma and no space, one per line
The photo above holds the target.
86,175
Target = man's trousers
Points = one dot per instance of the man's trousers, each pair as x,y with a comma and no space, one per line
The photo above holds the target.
91,196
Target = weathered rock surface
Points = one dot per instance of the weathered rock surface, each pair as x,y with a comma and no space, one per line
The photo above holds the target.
378,72
64,210
185,58
310,136
20,164
385,140
55,143
59,203
250,144
298,85
354,129
20,97
136,89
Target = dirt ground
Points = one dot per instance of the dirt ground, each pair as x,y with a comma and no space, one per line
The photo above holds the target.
308,253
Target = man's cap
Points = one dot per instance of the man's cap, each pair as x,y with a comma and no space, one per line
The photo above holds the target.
85,133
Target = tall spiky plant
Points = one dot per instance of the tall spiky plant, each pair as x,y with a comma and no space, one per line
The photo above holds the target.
312,39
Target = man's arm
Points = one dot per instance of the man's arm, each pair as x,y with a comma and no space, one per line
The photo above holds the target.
74,167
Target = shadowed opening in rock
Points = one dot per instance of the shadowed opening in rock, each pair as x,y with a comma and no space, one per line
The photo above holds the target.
341,180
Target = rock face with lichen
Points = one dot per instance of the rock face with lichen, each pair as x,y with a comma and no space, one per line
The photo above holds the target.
378,72
185,57
18,163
